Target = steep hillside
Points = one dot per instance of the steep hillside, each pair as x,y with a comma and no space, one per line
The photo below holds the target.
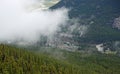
19,61
99,15
91,7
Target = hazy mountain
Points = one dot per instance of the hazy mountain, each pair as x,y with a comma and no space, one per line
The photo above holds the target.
91,7
87,42
99,15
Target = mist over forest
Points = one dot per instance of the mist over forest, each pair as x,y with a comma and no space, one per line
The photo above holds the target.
59,37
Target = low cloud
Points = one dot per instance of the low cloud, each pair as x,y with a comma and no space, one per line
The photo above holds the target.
19,22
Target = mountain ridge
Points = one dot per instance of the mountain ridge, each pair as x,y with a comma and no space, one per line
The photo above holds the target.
102,14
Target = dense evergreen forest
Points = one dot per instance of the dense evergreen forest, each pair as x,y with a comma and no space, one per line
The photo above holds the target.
20,61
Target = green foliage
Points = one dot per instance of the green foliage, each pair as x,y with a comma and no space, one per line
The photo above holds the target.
88,62
18,61
95,63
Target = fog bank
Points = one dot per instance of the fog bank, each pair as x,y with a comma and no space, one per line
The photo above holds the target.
19,21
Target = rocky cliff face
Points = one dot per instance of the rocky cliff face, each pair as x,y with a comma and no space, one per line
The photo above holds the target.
116,23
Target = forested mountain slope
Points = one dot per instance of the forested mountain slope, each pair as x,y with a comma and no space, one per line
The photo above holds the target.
19,61
98,14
